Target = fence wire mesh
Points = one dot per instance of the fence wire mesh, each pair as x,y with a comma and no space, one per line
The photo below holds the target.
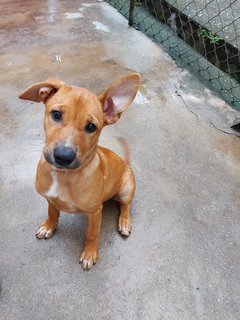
203,35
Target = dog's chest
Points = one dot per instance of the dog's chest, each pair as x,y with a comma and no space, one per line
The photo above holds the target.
59,194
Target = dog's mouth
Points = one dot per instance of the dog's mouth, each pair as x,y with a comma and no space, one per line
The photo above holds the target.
62,157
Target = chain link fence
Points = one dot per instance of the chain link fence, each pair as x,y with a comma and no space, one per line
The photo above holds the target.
203,35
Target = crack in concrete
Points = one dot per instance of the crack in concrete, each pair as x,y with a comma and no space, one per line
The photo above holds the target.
177,92
200,119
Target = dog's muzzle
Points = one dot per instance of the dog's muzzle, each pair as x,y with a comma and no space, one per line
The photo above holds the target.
63,157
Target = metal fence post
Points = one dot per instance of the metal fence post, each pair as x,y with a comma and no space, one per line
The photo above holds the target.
131,10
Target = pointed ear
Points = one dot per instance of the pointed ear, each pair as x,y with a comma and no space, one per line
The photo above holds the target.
119,96
41,91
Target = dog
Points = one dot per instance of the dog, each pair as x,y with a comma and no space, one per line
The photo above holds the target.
74,174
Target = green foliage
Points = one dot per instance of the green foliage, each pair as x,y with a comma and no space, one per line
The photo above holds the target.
203,33
138,3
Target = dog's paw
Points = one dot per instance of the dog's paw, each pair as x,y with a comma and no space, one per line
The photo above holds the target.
88,258
124,227
44,233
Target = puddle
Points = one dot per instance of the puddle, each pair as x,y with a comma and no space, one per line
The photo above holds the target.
88,5
100,26
73,15
140,98
53,7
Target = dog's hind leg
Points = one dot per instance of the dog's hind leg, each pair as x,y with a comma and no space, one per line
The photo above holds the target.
125,197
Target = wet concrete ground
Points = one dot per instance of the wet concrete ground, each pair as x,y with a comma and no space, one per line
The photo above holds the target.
182,259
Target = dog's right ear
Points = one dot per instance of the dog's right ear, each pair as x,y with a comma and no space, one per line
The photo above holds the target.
41,91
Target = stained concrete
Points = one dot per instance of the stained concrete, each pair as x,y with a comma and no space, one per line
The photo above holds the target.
182,259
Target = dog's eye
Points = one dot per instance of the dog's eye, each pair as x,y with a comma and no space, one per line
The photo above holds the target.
56,115
90,127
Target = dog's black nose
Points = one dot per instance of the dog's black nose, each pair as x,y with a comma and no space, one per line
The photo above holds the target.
64,156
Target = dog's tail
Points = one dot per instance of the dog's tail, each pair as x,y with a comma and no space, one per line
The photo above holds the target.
126,149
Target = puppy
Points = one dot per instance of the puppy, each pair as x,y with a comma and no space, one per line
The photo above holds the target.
74,174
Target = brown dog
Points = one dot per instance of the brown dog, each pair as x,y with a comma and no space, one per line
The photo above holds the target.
74,174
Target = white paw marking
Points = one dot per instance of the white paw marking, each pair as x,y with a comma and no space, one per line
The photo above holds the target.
125,228
88,260
44,233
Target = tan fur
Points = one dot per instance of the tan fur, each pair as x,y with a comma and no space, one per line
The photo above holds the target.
101,174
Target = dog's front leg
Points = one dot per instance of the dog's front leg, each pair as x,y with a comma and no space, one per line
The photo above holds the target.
48,226
89,255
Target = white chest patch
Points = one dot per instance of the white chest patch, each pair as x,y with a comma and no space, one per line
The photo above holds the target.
52,192
56,191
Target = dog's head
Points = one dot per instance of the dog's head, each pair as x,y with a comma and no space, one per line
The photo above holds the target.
74,117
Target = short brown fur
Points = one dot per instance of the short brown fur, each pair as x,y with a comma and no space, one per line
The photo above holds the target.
101,174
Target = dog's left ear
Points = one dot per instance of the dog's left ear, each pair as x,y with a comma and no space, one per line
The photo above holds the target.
41,91
119,96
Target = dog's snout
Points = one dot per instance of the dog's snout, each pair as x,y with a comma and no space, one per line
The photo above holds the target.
64,156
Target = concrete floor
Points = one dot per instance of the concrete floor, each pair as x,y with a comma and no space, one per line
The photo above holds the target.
182,260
